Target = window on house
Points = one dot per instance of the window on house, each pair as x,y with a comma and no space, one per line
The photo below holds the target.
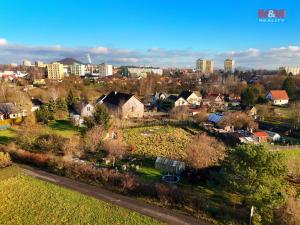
132,109
88,108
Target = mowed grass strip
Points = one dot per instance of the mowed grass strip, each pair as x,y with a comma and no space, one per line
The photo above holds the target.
25,200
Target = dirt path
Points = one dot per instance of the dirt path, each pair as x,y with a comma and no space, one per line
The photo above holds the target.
165,215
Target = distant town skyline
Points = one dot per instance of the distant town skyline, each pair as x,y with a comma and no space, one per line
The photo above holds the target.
165,34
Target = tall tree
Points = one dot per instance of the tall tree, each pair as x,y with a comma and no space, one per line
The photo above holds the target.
289,86
101,116
257,174
71,100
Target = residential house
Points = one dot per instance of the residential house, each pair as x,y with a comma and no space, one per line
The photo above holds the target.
252,111
85,109
216,118
213,99
10,111
122,104
192,97
177,101
278,97
260,136
158,96
36,104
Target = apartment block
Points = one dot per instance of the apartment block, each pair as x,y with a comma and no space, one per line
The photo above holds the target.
205,66
105,70
228,65
77,69
55,71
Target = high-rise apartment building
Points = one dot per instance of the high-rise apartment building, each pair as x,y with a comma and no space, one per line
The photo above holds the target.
26,62
205,66
105,70
39,64
294,70
228,65
55,71
77,69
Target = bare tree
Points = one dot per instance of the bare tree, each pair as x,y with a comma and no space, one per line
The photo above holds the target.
93,138
180,113
72,147
115,149
205,151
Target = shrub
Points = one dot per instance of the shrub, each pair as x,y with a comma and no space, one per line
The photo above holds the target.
205,151
52,143
4,160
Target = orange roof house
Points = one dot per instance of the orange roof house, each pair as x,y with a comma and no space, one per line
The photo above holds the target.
278,97
261,136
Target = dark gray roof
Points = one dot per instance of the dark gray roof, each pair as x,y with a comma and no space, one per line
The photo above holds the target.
8,108
116,98
186,94
173,98
36,102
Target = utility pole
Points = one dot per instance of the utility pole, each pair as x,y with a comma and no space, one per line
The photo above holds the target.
251,215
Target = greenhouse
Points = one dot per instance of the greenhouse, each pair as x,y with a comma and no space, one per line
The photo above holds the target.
169,165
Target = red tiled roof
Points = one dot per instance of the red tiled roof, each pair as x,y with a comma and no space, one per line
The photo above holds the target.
279,95
261,134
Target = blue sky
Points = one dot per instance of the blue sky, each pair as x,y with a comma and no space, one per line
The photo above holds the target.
164,33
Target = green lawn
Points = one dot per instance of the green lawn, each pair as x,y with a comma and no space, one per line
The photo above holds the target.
25,200
63,128
167,141
7,136
290,153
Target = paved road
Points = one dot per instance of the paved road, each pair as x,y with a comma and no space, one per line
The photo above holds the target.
165,215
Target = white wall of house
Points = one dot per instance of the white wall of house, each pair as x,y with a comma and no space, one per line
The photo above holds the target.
87,110
277,101
180,102
280,102
194,99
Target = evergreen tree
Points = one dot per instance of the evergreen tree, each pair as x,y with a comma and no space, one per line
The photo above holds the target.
101,116
44,114
52,105
256,174
61,104
289,86
71,100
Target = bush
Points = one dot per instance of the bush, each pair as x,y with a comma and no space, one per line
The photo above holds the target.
4,160
50,143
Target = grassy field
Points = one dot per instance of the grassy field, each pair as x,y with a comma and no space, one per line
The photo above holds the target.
63,128
25,200
60,127
156,141
7,136
292,158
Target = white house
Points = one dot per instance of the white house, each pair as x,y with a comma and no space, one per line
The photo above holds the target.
85,109
158,96
192,97
177,101
278,97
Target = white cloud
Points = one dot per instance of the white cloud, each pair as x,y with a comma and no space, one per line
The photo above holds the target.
99,50
251,57
127,60
3,41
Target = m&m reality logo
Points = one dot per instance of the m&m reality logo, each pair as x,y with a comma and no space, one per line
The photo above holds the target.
271,15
